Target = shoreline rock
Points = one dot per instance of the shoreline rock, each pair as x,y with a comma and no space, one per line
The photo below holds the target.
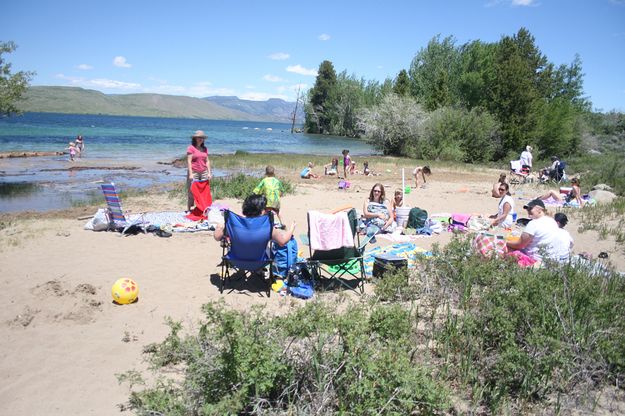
6,155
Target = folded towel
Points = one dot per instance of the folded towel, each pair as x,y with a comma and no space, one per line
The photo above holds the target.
329,231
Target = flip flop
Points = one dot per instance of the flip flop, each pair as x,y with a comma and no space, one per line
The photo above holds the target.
162,233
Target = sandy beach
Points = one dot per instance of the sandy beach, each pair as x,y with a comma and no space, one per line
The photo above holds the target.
63,340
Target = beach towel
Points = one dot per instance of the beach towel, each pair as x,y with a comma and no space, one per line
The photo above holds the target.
409,251
201,191
331,231
398,237
489,245
522,259
552,202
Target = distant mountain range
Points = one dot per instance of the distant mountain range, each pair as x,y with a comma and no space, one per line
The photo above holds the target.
74,100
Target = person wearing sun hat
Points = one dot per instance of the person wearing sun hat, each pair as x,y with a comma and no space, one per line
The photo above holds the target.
539,236
198,165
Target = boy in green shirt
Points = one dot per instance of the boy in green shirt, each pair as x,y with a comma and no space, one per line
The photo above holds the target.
272,189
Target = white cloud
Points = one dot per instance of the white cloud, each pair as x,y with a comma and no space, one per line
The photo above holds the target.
84,67
261,96
514,3
100,83
272,78
298,69
200,89
120,62
279,56
250,87
292,88
323,36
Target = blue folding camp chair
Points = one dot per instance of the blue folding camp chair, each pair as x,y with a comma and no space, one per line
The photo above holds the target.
245,247
118,220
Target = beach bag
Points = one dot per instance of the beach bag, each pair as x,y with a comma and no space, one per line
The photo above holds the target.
459,222
284,257
344,184
417,218
101,221
490,245
300,281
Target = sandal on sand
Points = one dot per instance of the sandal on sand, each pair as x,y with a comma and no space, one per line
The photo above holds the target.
162,233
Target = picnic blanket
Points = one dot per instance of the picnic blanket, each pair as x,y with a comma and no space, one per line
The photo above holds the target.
174,220
409,251
552,202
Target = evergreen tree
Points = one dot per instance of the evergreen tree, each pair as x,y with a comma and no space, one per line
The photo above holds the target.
319,112
401,86
12,86
518,65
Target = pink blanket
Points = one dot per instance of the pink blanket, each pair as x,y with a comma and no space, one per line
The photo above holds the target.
329,231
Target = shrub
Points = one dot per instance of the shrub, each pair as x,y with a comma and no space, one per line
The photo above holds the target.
524,334
315,360
460,135
235,186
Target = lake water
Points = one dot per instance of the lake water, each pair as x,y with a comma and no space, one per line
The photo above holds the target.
143,142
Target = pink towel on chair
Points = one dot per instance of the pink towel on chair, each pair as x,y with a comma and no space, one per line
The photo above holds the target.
329,231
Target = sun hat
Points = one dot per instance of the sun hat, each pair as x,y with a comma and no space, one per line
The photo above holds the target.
533,203
199,133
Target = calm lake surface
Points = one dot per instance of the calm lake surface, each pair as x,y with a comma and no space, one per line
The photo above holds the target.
140,142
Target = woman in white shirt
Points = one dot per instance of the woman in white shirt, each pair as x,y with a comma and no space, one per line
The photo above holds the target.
563,242
526,157
505,209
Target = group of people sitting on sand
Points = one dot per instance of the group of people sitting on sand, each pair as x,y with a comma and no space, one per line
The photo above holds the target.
543,234
332,168
542,231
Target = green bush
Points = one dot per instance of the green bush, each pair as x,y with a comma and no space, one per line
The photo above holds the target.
460,135
524,334
237,186
595,169
316,360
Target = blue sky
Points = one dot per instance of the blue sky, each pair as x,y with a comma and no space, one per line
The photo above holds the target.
262,49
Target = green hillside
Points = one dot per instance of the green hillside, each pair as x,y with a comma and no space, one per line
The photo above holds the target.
81,101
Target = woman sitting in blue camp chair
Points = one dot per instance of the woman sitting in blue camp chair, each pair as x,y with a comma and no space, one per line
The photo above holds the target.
255,206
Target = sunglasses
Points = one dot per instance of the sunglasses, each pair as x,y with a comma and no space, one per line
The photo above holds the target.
377,190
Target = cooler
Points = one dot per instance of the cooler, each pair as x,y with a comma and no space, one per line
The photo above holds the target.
386,262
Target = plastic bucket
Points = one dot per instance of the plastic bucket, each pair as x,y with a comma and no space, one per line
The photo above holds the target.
401,216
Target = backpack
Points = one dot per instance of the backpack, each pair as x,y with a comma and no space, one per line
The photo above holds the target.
300,282
284,257
417,218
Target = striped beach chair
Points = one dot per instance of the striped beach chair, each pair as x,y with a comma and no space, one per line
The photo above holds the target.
118,219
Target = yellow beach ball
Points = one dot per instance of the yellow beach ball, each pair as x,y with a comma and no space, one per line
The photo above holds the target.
125,291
